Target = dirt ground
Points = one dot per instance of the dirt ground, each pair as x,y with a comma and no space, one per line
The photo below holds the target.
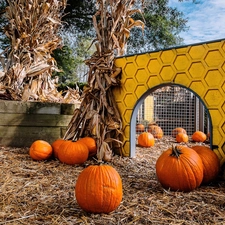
42,193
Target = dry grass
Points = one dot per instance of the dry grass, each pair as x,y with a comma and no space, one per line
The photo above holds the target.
43,193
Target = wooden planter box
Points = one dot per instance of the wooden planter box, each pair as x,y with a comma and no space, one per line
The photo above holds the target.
21,123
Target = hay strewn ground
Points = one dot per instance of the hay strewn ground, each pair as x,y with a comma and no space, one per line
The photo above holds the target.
43,193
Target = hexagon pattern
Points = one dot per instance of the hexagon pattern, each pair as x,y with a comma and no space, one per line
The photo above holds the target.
199,67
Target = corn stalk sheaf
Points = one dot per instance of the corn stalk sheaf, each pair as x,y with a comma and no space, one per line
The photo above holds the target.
33,32
98,115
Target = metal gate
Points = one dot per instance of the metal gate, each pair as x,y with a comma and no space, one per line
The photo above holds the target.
174,106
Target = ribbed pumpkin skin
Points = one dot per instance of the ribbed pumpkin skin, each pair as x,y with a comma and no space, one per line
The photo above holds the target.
40,150
199,136
211,163
91,144
178,130
183,173
146,139
55,146
156,131
99,189
72,152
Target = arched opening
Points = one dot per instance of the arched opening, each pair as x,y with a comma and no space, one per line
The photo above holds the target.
170,106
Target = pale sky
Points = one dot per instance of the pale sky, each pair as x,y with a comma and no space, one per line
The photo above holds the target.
206,20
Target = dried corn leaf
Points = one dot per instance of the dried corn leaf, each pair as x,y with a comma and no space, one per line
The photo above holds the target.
112,23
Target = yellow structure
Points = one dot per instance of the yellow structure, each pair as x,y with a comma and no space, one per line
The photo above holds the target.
199,68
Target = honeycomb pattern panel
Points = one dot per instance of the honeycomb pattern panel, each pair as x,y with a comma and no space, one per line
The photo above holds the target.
214,58
197,70
213,78
199,67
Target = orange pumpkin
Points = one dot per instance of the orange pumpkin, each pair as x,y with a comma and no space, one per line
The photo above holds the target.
155,130
99,189
181,137
40,150
179,168
140,128
73,152
146,139
55,146
199,136
177,130
91,144
211,163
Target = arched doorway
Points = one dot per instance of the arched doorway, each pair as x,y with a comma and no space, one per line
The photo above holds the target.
170,106
199,68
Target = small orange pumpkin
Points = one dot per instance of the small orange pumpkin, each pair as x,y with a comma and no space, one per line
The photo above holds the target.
146,139
140,128
211,163
177,130
199,136
181,137
40,150
179,168
99,189
91,144
155,130
55,146
73,152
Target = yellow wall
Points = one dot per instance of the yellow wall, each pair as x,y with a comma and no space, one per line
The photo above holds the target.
149,108
199,67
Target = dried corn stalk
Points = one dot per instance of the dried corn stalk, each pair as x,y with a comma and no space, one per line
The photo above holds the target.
98,115
33,31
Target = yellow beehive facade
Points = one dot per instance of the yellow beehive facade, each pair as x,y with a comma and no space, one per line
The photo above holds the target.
200,68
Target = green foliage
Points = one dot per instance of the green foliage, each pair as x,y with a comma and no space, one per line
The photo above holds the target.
4,41
78,14
67,63
162,27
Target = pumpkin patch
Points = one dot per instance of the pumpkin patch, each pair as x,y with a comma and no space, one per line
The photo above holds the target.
99,189
181,137
40,150
146,139
179,168
55,146
178,130
155,130
199,136
73,152
211,164
91,144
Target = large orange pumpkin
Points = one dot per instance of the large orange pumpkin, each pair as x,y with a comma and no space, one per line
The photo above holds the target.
179,168
155,130
40,150
211,163
91,144
55,146
146,139
199,136
99,189
73,152
178,130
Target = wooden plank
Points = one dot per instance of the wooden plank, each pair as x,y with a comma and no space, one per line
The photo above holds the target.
34,120
25,136
29,107
68,109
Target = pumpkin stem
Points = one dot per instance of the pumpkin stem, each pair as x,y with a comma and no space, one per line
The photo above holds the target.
176,151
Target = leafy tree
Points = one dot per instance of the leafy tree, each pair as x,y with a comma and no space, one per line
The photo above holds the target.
162,27
4,42
78,14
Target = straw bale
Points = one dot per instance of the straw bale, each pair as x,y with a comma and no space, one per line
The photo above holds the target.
43,193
